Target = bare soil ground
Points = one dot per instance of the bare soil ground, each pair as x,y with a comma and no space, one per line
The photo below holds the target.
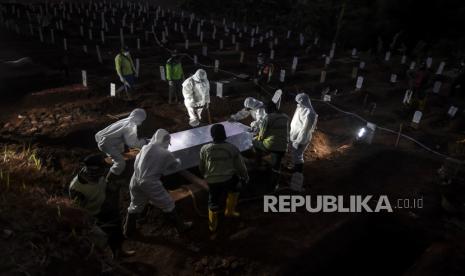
50,120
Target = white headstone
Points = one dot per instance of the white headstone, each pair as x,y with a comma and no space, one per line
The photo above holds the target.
112,89
412,65
362,64
102,36
162,73
452,111
195,59
403,60
393,78
99,56
295,61
138,44
407,97
137,67
241,59
277,97
84,78
441,68
219,89
282,75
429,62
84,48
387,56
359,83
417,117
323,77
186,44
288,34
354,52
65,44
272,54
217,65
315,41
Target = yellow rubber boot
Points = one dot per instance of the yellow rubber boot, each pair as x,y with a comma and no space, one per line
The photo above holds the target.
231,203
212,220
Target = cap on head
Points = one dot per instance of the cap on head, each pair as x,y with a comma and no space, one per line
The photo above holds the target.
94,160
218,133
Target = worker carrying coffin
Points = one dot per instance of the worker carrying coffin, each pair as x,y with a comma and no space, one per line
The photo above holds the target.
223,168
112,139
272,140
253,108
196,92
303,125
151,163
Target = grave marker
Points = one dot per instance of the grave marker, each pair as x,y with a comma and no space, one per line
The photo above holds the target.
452,111
294,64
437,87
440,68
407,97
323,77
359,83
416,119
162,73
84,78
217,65
393,78
112,90
219,89
282,75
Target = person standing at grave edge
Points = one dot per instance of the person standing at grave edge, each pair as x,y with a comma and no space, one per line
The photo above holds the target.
419,81
174,76
196,92
303,125
272,139
126,70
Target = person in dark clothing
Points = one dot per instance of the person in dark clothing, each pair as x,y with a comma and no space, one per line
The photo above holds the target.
90,191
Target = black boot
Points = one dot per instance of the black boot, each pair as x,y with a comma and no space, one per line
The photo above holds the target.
181,225
130,226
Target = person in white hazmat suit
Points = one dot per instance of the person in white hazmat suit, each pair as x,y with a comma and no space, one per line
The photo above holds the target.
196,93
111,140
253,108
303,125
151,163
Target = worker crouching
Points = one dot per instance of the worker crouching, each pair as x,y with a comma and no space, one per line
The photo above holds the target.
196,92
224,169
151,163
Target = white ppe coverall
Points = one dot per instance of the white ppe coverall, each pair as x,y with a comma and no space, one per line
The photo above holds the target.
302,126
111,140
196,93
151,163
253,108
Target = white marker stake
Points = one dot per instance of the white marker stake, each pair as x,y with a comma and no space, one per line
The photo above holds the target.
252,42
65,44
452,111
84,48
354,72
84,78
241,59
359,83
217,65
301,39
99,56
282,75
137,67
437,87
412,65
288,34
162,73
407,97
354,52
388,56
186,44
102,36
219,89
138,44
294,64
393,78
403,60
440,68
429,62
272,54
362,64
315,41
195,59
323,77
327,60
112,90
417,117
201,37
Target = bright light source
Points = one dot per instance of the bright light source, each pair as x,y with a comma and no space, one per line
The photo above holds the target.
361,132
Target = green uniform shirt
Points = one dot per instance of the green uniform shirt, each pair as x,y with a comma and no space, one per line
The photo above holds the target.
93,194
219,162
124,65
274,132
174,70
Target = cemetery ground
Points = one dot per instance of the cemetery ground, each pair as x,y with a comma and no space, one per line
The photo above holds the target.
49,120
